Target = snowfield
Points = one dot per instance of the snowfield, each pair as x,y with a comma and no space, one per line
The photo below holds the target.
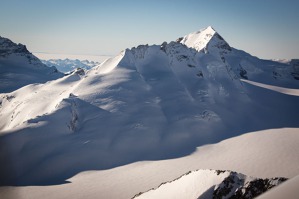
147,116
266,154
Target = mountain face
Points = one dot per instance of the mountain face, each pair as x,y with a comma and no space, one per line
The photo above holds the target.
68,65
206,40
214,184
147,103
18,67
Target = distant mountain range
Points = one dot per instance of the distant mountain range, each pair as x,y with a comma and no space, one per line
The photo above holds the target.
69,65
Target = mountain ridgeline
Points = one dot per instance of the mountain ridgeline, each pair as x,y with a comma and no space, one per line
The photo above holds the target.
147,103
216,184
19,67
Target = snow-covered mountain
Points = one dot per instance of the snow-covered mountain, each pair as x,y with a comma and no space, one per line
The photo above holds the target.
147,103
18,67
212,184
68,65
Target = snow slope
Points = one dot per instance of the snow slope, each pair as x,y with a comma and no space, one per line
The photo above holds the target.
147,103
18,67
287,91
265,154
68,65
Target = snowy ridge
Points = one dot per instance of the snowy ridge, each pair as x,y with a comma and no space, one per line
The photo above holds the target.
212,184
7,47
206,40
108,65
17,63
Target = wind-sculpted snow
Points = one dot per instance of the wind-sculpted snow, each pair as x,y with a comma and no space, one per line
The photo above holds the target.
147,103
18,67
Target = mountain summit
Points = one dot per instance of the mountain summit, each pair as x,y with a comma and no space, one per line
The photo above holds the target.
205,40
8,47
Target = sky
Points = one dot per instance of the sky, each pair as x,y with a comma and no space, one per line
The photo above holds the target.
267,29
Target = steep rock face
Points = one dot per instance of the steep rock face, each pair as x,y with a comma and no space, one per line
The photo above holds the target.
8,47
213,184
19,67
237,186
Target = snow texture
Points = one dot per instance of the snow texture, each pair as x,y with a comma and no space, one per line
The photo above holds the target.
265,154
151,103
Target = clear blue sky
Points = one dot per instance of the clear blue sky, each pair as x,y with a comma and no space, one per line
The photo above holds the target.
264,28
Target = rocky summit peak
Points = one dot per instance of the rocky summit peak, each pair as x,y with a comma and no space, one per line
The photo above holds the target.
8,47
206,40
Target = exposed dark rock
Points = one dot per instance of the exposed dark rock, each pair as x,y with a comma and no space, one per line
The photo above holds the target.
139,51
163,46
200,74
243,73
295,75
234,187
219,171
276,75
191,66
223,59
179,39
8,47
182,57
79,71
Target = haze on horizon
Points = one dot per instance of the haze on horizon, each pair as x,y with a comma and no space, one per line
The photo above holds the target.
267,29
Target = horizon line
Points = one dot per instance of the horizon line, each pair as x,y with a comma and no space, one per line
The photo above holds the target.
106,55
